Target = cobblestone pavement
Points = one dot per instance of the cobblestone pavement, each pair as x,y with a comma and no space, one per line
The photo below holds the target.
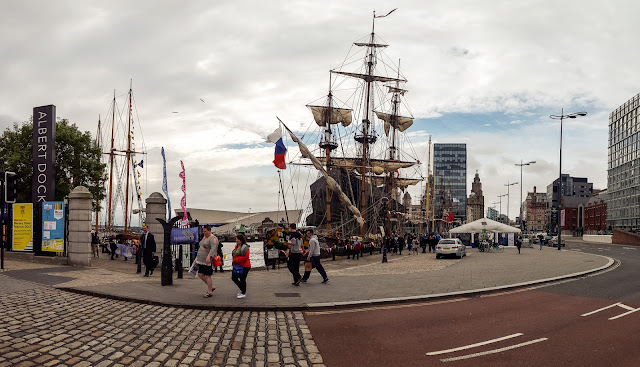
42,326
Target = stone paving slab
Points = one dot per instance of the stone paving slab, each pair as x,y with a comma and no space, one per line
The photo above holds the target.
364,281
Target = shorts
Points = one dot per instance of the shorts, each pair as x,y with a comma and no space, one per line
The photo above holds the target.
205,269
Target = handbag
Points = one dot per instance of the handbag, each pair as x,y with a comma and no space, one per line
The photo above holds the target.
193,270
237,270
217,261
308,266
156,261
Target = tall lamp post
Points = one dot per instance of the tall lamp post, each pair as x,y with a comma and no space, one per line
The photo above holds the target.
507,185
560,117
500,212
522,164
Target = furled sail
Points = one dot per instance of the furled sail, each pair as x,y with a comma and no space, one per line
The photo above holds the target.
400,182
331,183
399,122
378,166
336,115
369,78
370,44
396,90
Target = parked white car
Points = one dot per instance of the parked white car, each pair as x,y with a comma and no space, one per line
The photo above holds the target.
451,246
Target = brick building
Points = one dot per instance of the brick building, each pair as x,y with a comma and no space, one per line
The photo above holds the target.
595,214
534,212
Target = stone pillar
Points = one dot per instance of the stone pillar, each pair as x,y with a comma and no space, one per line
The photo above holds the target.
156,208
79,251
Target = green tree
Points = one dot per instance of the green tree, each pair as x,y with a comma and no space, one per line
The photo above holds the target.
77,160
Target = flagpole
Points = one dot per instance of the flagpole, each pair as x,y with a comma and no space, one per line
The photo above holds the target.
283,199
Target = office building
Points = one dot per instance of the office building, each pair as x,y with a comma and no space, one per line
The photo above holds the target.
534,212
571,187
623,171
450,170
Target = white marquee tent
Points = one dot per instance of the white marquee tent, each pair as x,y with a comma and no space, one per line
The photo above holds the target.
487,224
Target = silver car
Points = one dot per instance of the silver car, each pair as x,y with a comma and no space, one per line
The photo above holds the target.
451,246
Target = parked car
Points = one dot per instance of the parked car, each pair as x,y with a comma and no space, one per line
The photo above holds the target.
554,241
451,246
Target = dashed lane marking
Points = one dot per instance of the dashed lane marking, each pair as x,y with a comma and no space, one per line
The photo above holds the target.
493,351
630,248
474,345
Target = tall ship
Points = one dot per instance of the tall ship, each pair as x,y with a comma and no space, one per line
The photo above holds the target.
123,152
358,148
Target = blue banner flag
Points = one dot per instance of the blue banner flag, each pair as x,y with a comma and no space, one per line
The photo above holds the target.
184,235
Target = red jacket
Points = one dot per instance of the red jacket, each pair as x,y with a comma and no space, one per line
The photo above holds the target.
239,259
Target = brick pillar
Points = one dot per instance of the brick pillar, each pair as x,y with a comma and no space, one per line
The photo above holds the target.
79,252
156,208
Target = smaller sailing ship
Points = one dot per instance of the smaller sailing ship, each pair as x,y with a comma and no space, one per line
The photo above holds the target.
125,165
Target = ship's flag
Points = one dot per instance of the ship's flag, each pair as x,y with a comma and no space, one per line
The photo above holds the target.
281,149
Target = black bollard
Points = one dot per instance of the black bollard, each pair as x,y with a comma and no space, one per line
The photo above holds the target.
139,260
179,262
166,275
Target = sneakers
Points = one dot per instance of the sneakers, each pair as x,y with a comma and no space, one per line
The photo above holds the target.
325,281
240,295
297,284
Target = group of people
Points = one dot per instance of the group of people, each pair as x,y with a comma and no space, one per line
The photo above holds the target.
209,249
394,244
296,254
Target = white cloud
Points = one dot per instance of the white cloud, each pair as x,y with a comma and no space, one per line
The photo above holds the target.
252,61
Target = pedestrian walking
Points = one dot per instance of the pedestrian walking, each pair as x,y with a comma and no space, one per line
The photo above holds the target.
295,253
148,250
357,248
207,250
313,255
401,244
219,253
95,241
541,239
241,264
519,243
414,244
113,247
423,243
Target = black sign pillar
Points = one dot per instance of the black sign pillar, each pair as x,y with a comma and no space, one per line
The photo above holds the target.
43,186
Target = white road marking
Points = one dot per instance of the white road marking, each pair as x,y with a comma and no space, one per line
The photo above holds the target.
493,351
624,314
601,309
619,304
474,345
630,248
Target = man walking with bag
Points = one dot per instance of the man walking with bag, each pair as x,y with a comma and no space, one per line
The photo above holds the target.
314,257
295,254
148,250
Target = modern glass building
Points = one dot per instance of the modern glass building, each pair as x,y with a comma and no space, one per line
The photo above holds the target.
623,172
450,170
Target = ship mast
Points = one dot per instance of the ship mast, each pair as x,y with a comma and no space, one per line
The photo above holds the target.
328,146
111,155
428,188
128,154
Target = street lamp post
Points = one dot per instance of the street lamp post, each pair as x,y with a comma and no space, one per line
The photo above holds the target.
507,185
560,117
500,212
522,164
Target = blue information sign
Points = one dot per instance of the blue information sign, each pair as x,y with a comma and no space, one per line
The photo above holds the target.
53,226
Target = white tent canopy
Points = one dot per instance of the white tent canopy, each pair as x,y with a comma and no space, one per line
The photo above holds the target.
487,224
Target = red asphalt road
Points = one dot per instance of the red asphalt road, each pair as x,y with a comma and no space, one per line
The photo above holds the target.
401,335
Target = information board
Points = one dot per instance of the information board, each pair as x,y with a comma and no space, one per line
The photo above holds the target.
22,227
53,226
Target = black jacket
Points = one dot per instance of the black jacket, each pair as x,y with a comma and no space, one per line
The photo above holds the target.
150,246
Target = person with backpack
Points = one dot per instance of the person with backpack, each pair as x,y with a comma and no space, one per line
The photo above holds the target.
241,265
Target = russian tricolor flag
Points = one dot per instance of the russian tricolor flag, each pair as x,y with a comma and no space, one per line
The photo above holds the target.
281,150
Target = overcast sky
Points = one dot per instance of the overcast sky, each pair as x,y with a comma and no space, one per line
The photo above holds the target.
484,73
